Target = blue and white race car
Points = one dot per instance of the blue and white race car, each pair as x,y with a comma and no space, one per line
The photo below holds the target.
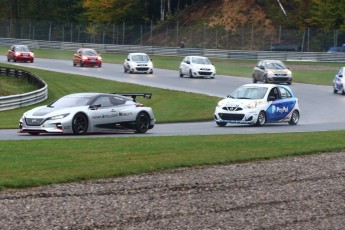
82,113
258,104
339,81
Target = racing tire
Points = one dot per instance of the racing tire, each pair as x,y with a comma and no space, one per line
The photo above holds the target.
221,124
81,64
190,74
342,92
265,79
142,122
335,91
294,118
180,73
34,133
80,124
254,80
261,119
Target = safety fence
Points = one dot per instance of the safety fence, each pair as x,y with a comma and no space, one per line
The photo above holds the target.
175,51
25,99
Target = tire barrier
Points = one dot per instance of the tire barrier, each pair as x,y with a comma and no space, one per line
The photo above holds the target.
25,99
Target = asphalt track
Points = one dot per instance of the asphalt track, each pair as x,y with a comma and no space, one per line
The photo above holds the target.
321,109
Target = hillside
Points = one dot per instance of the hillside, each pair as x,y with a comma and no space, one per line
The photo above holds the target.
232,24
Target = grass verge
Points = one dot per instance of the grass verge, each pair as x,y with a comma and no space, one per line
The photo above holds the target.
42,162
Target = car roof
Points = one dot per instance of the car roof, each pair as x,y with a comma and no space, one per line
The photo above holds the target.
194,56
137,54
93,95
269,60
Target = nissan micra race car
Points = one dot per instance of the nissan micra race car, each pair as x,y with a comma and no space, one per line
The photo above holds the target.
258,104
138,63
82,113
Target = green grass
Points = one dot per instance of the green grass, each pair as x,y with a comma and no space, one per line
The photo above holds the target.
41,162
12,86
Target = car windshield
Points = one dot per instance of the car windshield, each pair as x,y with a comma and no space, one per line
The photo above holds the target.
249,93
201,61
275,65
140,58
90,52
67,102
22,48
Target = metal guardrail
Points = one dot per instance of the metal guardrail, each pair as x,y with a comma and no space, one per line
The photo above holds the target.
175,51
25,99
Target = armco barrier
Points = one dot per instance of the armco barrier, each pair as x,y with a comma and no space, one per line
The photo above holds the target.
176,51
25,99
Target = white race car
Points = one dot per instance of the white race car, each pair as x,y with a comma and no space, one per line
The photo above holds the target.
339,81
197,66
258,104
138,63
82,113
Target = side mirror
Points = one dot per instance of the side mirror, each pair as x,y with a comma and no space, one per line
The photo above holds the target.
128,59
261,67
188,62
340,75
94,107
271,98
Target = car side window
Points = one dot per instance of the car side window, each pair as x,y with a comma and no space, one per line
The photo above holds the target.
284,93
274,93
117,100
103,101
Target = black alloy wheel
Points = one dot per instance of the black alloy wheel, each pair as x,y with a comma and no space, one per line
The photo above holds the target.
142,122
80,124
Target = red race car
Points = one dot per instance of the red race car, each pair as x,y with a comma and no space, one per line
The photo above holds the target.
20,53
87,57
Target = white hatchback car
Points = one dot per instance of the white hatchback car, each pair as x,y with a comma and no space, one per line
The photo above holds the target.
138,63
258,104
197,66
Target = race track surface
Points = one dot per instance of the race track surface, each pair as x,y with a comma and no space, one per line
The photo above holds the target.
321,109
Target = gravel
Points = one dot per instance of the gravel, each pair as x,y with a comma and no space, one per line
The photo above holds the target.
291,193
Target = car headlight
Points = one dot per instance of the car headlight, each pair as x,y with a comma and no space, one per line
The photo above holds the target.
84,57
270,73
252,105
99,58
58,116
221,104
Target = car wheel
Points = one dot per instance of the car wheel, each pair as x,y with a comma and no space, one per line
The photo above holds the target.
180,73
74,64
265,79
80,123
221,124
254,80
142,122
81,64
15,60
261,119
190,74
342,92
34,133
294,118
335,91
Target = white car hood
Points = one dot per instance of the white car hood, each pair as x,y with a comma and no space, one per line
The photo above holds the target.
44,111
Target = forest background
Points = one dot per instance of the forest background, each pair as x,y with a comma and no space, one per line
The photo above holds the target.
320,23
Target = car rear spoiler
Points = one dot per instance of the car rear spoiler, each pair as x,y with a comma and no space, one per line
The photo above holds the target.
135,95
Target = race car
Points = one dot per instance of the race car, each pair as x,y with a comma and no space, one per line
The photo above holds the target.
339,81
271,71
20,53
197,66
87,57
258,104
82,113
138,63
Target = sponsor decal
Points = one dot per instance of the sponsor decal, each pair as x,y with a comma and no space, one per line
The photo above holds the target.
276,109
125,114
